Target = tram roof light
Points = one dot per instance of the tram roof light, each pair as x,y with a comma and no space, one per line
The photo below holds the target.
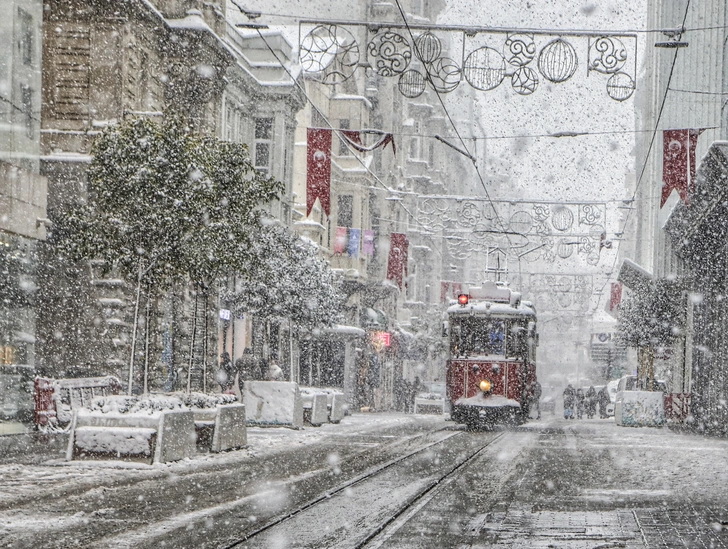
463,299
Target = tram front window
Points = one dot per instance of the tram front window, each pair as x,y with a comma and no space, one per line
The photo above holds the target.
477,337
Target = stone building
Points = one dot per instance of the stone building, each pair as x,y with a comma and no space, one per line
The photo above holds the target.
104,62
23,219
672,242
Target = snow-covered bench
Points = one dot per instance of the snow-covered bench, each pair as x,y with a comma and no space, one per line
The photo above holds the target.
273,403
159,437
429,401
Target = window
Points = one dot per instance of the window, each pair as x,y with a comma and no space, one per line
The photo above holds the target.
26,98
415,143
263,143
345,211
343,148
317,120
26,37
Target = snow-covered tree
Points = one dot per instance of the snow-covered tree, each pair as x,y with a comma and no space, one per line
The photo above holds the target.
651,319
165,203
287,280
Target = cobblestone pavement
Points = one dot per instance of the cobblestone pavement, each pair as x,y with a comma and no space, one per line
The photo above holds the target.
581,485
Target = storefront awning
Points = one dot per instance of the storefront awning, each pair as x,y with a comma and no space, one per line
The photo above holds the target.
633,276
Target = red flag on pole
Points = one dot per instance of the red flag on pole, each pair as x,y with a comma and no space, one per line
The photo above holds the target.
318,169
397,263
678,162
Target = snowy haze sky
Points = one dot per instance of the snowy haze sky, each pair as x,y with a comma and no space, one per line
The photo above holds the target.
591,167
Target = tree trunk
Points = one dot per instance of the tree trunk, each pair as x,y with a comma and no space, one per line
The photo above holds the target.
192,346
204,348
134,329
146,346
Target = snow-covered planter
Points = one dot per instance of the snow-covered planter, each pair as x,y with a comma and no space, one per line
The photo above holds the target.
131,426
273,403
147,432
640,409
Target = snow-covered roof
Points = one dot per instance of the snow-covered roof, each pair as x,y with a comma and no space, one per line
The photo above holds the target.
491,309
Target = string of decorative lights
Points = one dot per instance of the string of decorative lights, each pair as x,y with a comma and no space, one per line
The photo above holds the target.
628,215
323,117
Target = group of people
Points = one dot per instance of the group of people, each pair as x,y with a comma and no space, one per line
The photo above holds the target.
576,402
247,368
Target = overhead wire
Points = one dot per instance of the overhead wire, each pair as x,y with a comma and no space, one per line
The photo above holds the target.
337,131
254,14
447,113
649,149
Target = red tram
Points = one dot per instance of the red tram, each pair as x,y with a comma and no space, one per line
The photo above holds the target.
491,370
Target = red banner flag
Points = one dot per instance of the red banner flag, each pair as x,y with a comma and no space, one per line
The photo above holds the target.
678,162
340,240
318,169
397,263
615,296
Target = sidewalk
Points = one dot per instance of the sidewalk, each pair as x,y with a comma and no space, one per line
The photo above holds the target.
33,462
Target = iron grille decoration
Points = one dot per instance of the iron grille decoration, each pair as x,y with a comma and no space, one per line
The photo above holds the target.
555,292
528,231
332,52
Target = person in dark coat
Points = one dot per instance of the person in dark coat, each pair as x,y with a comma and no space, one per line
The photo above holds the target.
247,367
579,403
226,373
569,401
590,402
604,401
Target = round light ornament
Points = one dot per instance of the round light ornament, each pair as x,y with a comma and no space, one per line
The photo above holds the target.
557,61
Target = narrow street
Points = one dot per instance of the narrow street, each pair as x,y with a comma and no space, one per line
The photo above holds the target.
387,480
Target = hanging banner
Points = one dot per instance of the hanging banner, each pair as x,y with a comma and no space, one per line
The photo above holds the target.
397,263
318,169
368,242
678,162
354,235
353,138
340,240
615,296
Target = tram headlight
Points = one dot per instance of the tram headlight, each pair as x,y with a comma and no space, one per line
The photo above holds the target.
485,386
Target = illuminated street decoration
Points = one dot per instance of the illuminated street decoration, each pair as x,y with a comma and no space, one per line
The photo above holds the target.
528,231
487,58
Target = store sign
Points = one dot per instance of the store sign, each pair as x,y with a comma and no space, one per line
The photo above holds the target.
382,338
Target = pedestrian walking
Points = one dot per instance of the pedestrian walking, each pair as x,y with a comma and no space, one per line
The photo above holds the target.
604,401
580,403
569,401
590,402
247,367
537,399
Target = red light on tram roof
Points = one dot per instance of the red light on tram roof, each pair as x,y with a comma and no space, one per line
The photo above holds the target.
463,299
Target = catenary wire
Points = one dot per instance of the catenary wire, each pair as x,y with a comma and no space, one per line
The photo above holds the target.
649,152
452,122
376,178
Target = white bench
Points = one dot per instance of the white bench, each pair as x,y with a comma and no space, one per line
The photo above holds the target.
160,438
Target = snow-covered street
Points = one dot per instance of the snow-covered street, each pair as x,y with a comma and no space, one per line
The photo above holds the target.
549,483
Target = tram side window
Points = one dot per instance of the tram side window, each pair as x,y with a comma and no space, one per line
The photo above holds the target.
516,339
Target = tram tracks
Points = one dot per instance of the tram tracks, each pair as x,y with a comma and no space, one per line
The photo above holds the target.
412,504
